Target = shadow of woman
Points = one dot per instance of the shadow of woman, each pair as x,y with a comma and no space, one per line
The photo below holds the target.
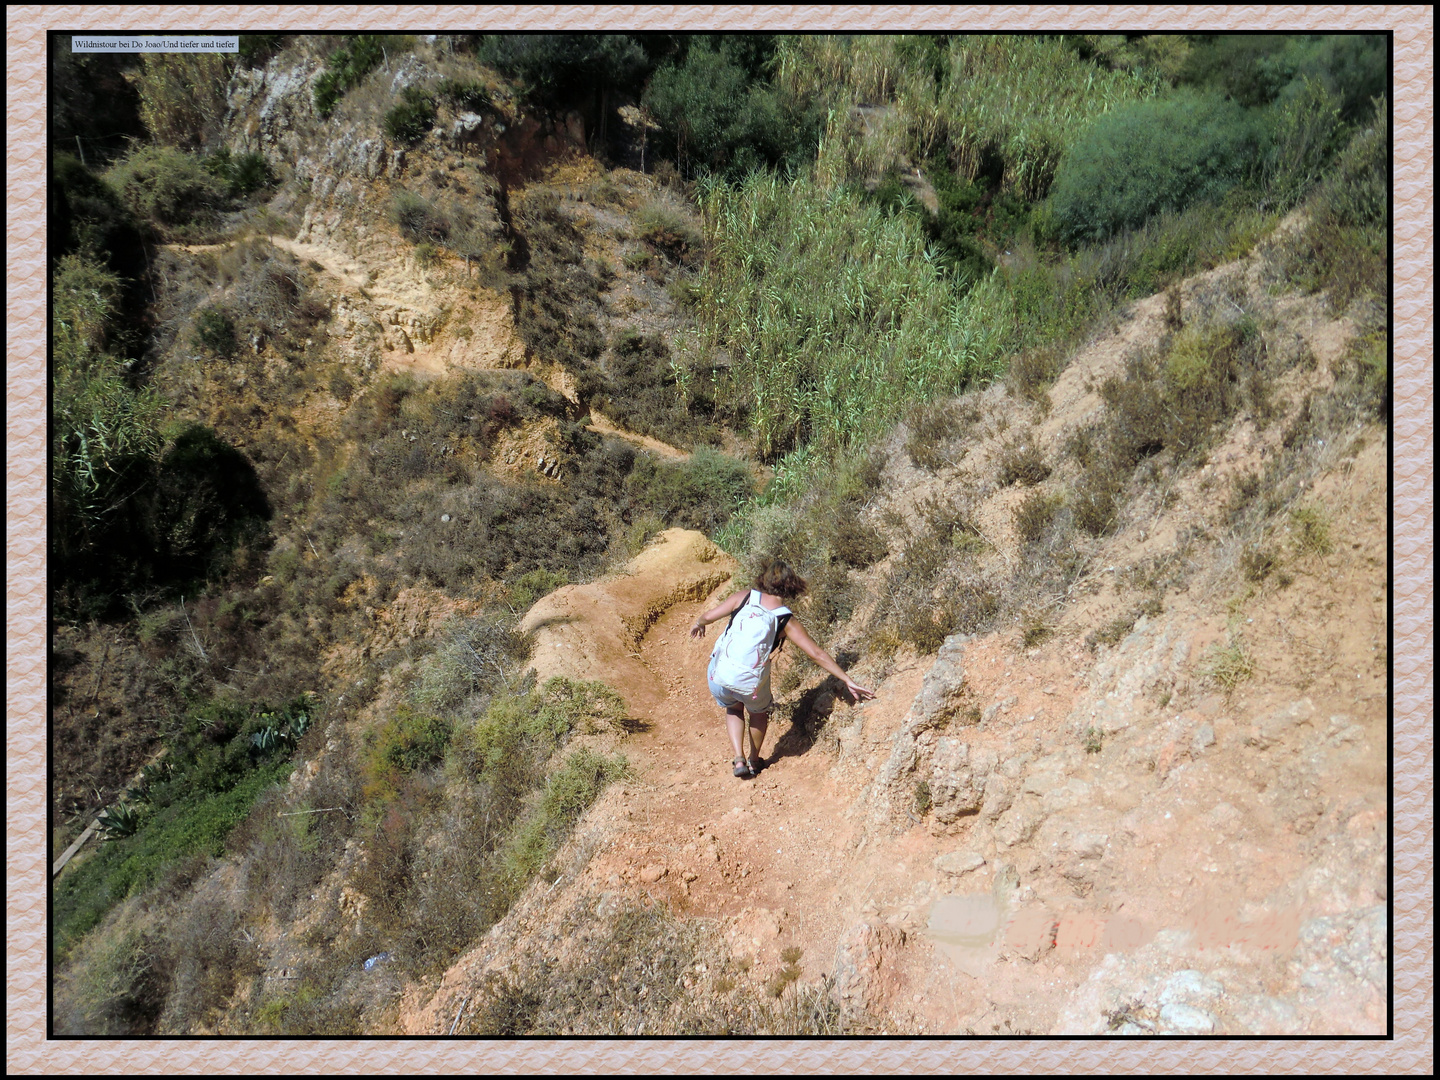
808,719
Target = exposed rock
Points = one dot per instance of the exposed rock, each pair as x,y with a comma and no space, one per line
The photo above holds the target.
954,788
997,797
959,862
1190,987
1185,1020
943,690
860,963
1274,726
1018,824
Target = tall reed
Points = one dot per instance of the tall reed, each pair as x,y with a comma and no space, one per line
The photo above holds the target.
834,314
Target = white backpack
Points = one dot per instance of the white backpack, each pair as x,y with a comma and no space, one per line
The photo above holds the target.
743,651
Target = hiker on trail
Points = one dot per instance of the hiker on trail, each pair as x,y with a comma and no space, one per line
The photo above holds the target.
739,671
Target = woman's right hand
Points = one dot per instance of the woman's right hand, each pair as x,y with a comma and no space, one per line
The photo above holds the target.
858,692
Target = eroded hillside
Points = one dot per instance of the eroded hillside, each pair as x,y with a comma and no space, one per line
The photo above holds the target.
1162,813
1124,611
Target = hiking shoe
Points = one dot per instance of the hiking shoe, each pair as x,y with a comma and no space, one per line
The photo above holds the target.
756,764
742,768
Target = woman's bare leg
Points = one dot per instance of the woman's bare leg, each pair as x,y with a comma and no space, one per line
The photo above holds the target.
759,723
735,721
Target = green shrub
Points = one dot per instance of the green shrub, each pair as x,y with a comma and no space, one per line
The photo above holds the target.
345,67
557,68
196,825
1344,247
410,120
699,493
242,173
531,586
464,94
409,741
1304,135
716,117
1150,157
568,794
668,232
165,186
215,330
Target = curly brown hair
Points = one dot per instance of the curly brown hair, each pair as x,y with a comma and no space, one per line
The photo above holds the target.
779,578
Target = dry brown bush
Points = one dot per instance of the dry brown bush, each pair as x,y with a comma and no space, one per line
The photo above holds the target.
1022,462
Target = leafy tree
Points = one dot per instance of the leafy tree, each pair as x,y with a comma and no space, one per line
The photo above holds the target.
718,119
1153,156
559,69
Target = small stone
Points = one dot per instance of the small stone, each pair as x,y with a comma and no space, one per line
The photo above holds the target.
1204,737
689,876
1048,689
652,874
445,517
959,862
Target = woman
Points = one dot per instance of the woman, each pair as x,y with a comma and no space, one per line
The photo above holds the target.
739,672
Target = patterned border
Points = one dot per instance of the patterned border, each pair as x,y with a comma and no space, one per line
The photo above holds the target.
1412,493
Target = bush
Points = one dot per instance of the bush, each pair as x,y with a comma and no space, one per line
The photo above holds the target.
668,232
560,68
198,824
464,94
410,120
419,220
242,173
476,658
166,187
699,493
1022,462
716,119
568,794
409,741
215,330
183,96
345,67
1034,514
1150,157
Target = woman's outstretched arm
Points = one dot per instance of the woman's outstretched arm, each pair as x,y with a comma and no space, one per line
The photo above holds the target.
719,611
806,644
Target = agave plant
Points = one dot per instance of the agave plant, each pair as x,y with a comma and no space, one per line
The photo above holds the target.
119,820
265,740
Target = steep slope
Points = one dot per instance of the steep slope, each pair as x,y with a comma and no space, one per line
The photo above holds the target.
1164,821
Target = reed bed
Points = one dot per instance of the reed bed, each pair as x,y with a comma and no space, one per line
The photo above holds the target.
834,314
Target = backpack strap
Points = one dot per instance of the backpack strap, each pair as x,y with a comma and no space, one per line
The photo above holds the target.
752,594
780,633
